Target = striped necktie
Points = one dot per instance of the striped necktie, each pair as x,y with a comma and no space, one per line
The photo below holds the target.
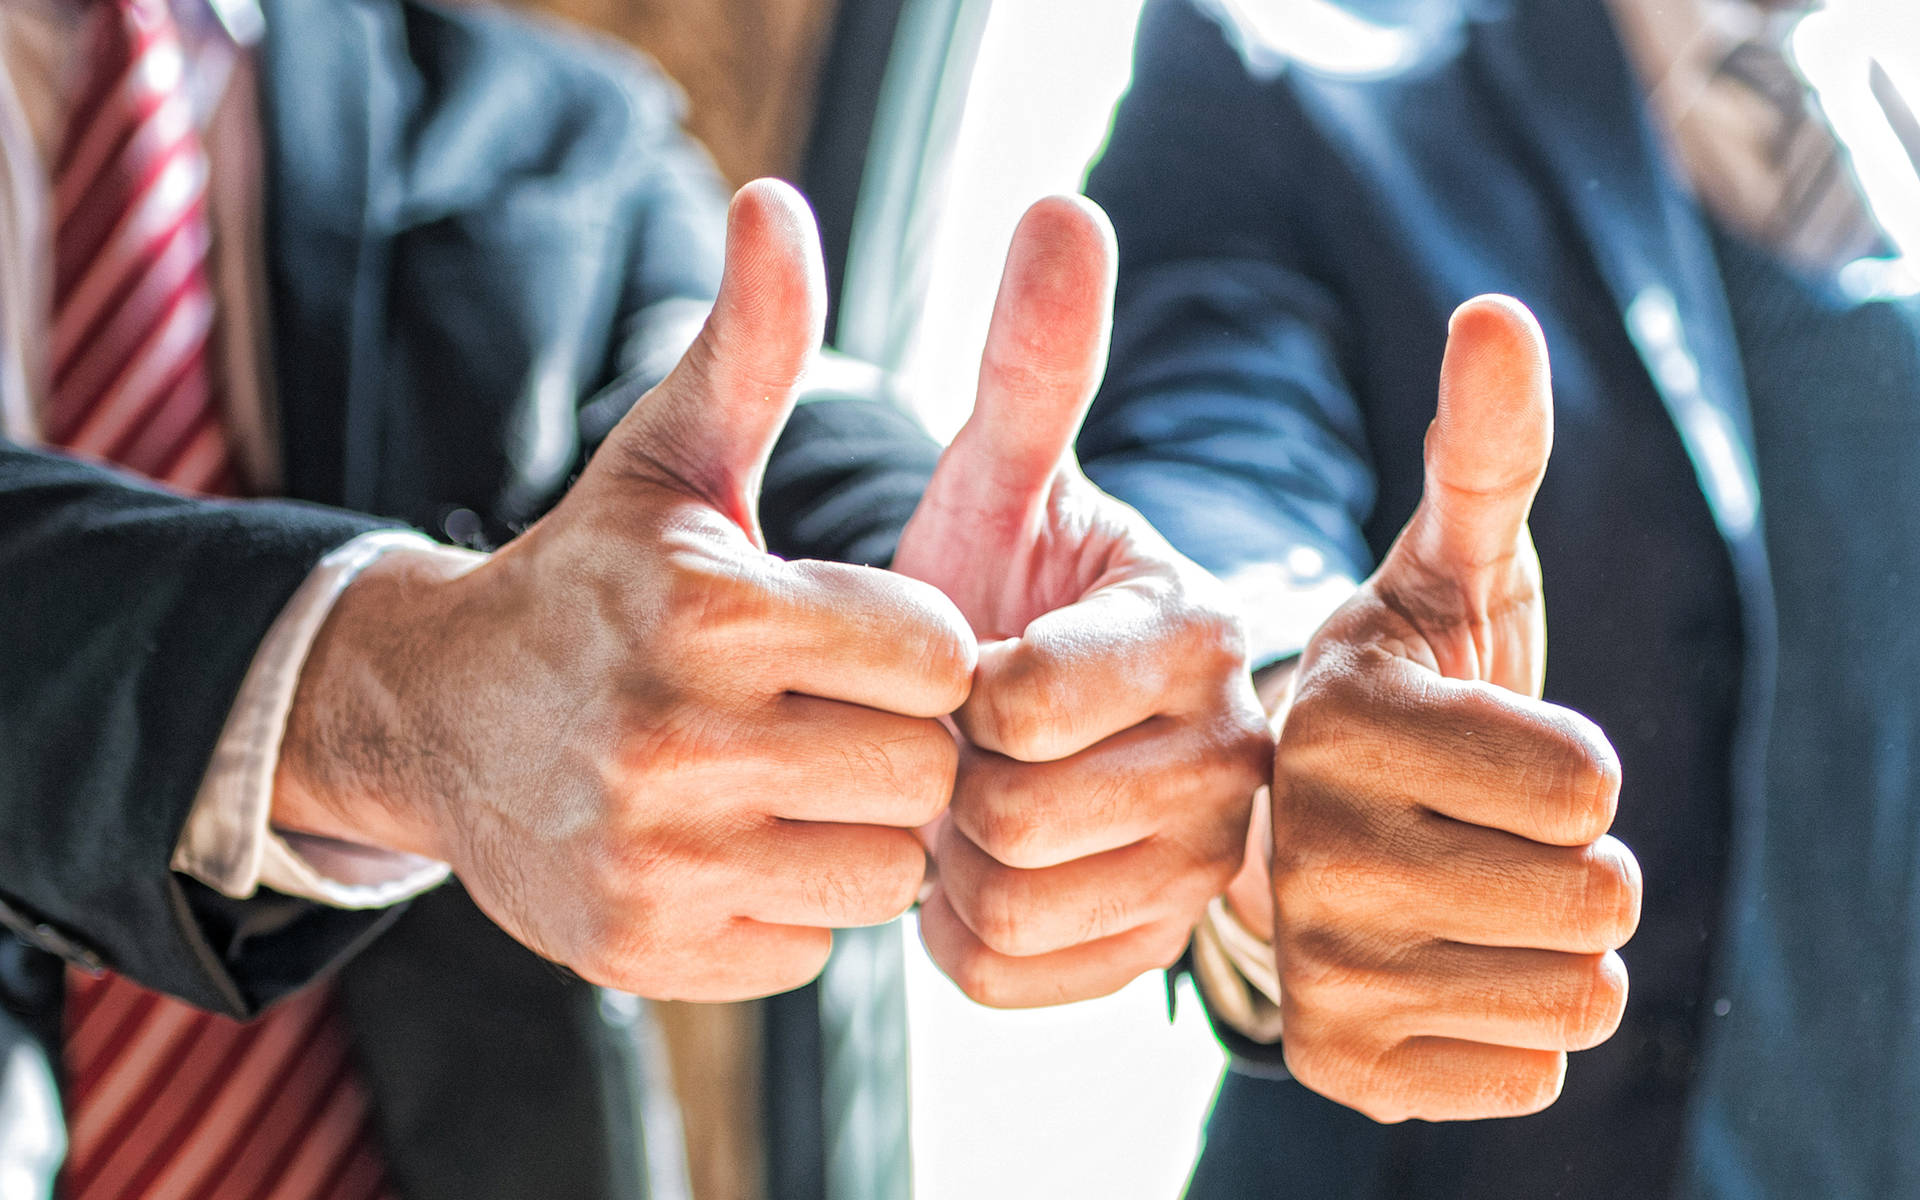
1816,214
1752,135
163,1099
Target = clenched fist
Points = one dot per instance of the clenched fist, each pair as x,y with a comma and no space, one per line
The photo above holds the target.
1446,903
651,751
1113,742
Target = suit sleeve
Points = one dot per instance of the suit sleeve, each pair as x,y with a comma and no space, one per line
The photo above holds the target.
132,617
846,475
1226,416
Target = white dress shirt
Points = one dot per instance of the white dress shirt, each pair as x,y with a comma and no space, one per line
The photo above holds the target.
228,842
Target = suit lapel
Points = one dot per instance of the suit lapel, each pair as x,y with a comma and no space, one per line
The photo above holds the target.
1563,70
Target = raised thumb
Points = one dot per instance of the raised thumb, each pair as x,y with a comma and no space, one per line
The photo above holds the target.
1045,353
710,426
1487,447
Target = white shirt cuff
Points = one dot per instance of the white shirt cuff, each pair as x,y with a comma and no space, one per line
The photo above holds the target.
228,842
1236,973
1283,603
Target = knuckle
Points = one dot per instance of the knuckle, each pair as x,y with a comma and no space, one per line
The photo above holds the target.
1230,784
896,885
794,961
1217,856
915,767
624,949
1305,1060
1002,917
1347,1076
1214,639
672,739
1573,774
1598,1002
709,599
1317,979
1529,1090
1249,747
1167,947
978,977
926,791
1610,894
1326,732
1295,805
1322,701
950,656
1387,1096
630,879
1332,894
1029,707
1008,826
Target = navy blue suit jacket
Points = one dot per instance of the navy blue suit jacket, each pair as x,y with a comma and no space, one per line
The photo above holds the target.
1292,242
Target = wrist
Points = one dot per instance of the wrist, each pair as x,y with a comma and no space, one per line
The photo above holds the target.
363,737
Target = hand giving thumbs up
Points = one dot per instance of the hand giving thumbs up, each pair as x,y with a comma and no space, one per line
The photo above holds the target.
648,749
1446,902
1113,739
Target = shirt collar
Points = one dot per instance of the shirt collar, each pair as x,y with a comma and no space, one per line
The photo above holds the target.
239,21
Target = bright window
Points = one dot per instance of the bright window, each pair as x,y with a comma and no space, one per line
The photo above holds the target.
1105,1098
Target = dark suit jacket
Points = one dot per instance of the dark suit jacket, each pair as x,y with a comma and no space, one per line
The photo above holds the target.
476,232
1292,242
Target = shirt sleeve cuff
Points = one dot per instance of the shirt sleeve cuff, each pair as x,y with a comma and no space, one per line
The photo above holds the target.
228,842
1236,974
1283,603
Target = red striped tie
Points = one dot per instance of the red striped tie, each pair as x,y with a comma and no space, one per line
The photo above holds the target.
163,1099
167,1101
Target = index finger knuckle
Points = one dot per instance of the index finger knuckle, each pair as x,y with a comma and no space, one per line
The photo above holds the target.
1570,775
950,655
710,599
1350,1075
1329,731
896,881
1212,640
1025,707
